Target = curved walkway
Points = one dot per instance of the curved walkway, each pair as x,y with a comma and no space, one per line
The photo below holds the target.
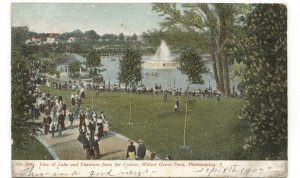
66,147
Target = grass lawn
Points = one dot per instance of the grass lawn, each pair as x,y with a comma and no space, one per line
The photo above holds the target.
34,150
214,131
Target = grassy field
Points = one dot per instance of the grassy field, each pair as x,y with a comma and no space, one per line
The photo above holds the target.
34,150
214,131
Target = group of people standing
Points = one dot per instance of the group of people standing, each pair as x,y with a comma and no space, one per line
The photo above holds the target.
132,154
53,110
139,153
92,127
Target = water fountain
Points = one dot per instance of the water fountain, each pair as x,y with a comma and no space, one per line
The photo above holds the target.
162,59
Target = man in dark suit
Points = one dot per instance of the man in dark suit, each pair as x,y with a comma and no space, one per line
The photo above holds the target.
141,150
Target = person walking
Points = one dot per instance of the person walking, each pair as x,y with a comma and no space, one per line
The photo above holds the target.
176,106
88,113
45,125
165,95
73,100
64,108
141,150
82,119
87,146
52,127
60,130
54,112
71,119
131,153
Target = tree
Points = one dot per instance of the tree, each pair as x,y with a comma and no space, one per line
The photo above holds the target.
217,19
91,35
192,64
178,38
265,59
93,62
189,102
130,67
18,36
52,69
121,37
77,34
74,69
23,126
134,37
109,37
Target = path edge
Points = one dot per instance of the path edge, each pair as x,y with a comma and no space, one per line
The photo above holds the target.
148,152
49,149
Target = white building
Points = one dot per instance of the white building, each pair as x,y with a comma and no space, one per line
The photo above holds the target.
51,40
72,40
33,40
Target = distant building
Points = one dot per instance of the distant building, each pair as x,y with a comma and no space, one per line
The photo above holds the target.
51,38
34,40
72,39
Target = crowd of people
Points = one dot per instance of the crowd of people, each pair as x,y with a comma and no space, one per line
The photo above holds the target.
157,89
92,127
53,110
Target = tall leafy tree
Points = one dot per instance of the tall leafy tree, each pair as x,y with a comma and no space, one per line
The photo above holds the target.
217,19
93,62
121,37
74,69
192,64
264,54
91,35
130,67
23,126
134,37
18,36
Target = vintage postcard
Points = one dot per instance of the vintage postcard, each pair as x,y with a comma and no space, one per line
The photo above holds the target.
149,90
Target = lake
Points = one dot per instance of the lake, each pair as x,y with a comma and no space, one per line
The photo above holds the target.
163,77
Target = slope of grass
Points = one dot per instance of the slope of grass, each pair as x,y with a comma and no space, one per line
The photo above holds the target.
34,150
213,131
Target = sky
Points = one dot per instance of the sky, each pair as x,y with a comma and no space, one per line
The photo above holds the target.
102,17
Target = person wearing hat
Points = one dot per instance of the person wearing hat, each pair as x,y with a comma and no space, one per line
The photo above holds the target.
94,118
82,119
64,108
131,151
102,116
92,128
141,150
88,112
100,127
153,156
52,127
71,118
73,100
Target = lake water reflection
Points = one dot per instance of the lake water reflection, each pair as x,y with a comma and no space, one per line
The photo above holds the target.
164,77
